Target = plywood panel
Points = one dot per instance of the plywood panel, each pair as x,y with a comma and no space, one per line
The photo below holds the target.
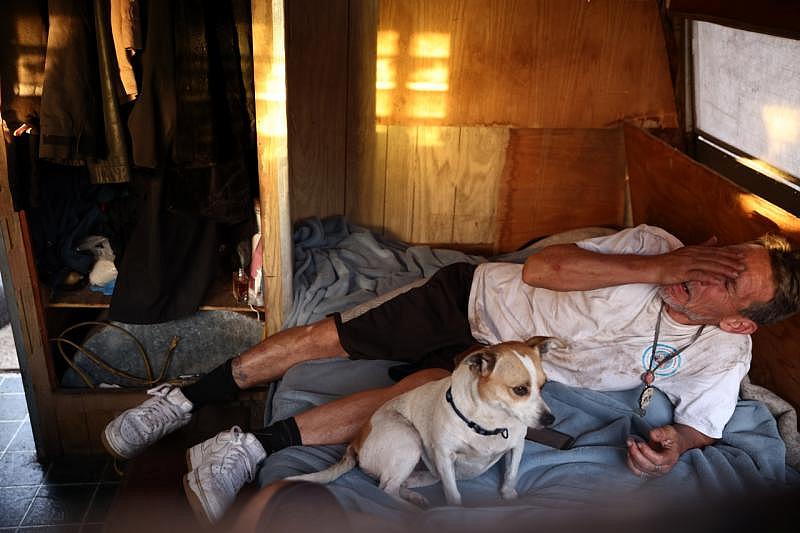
555,180
478,181
316,80
402,169
691,201
435,187
671,190
442,183
526,63
366,182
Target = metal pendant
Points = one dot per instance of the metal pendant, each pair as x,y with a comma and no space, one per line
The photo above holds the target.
644,400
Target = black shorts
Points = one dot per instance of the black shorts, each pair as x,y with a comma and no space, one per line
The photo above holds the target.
426,326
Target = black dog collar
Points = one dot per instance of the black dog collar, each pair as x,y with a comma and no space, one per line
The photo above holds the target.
472,425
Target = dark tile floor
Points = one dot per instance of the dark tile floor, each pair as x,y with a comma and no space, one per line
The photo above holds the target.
71,494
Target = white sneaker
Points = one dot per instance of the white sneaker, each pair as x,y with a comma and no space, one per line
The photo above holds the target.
230,460
137,428
213,449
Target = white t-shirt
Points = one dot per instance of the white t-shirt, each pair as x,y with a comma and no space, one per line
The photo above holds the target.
609,333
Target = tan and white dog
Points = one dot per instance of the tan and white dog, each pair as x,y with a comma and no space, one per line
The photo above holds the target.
459,426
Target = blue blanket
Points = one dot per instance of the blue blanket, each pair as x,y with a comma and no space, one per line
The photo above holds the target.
749,457
338,265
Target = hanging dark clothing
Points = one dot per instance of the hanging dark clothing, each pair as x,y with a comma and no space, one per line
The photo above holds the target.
80,122
168,265
115,166
192,114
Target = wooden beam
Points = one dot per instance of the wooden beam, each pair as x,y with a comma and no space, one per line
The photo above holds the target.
269,71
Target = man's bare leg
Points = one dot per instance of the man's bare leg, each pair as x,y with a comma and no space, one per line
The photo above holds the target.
272,357
339,421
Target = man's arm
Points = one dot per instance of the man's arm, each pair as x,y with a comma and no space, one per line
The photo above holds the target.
566,267
657,456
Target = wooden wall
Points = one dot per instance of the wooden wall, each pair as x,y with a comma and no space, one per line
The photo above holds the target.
530,64
670,190
463,114
560,179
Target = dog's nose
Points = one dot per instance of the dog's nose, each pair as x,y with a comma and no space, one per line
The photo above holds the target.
546,419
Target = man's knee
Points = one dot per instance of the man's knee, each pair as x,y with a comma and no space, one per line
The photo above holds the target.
325,331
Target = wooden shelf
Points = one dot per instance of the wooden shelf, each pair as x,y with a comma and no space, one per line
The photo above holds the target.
218,298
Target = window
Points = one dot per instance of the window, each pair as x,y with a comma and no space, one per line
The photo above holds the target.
747,109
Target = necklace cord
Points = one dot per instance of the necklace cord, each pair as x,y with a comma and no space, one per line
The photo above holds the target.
675,353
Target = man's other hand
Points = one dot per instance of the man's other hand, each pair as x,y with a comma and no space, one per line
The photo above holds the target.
659,455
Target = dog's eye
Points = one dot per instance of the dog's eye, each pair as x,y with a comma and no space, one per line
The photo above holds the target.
520,390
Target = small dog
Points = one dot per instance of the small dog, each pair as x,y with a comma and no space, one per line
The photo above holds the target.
459,426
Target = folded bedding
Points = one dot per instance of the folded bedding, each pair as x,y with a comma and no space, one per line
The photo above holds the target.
748,459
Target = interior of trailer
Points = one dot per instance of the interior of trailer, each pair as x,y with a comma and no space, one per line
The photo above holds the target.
375,142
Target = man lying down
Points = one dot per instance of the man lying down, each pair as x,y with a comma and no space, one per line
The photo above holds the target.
635,308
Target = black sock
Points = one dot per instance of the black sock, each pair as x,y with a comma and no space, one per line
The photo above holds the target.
217,386
280,435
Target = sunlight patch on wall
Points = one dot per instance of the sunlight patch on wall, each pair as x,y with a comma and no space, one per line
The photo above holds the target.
386,71
29,69
750,203
429,137
421,67
429,82
432,45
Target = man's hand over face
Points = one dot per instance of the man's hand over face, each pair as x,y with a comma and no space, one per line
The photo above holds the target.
703,262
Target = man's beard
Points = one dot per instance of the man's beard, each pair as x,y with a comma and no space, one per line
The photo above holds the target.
673,304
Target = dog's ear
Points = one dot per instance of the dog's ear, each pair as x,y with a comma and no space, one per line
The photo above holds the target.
481,362
544,344
466,353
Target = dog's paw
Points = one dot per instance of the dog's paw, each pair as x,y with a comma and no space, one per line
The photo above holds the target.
414,497
509,493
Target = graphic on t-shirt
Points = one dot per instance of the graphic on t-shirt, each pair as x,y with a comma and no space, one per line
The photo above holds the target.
662,352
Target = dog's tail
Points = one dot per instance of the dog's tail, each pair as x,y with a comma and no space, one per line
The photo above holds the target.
345,464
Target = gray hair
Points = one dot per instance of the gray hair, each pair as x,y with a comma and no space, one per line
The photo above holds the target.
785,261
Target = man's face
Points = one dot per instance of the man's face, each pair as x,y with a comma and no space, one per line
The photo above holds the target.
709,302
